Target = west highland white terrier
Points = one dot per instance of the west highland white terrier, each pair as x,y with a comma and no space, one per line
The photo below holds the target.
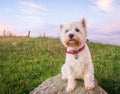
78,63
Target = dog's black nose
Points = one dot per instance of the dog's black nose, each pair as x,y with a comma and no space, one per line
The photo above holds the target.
71,36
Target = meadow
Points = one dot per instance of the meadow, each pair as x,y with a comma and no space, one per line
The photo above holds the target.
27,62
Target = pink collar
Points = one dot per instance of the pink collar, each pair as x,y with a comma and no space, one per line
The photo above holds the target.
75,51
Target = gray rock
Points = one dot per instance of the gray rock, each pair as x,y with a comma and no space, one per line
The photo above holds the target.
56,85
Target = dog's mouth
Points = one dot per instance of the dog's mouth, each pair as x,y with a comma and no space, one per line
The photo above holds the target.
73,43
72,40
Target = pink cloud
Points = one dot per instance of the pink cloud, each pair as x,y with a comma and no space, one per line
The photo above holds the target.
109,26
105,32
104,5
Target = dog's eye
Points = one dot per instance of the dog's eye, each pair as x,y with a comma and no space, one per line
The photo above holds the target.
77,30
66,31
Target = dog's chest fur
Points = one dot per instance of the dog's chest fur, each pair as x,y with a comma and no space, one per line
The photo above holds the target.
80,65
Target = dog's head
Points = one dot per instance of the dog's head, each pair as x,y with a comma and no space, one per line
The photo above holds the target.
74,34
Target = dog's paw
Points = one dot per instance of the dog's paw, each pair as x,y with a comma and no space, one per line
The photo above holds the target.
90,86
70,88
64,78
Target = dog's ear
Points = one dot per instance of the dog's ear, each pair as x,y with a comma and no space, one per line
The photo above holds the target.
83,22
84,25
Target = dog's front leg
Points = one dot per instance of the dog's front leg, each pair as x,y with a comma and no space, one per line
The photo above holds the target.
71,84
89,81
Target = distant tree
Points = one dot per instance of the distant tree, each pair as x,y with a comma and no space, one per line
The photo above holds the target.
44,35
88,40
29,33
4,33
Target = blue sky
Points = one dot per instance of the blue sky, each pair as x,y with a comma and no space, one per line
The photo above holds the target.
39,16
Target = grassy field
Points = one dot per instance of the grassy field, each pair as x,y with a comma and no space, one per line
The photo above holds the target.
27,62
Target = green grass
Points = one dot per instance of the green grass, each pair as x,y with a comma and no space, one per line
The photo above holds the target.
27,62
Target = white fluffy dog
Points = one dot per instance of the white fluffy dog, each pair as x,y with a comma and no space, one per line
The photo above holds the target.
78,63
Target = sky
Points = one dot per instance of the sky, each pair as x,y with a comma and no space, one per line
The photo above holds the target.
45,16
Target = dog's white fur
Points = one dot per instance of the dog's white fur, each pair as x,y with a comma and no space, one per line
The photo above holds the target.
81,68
